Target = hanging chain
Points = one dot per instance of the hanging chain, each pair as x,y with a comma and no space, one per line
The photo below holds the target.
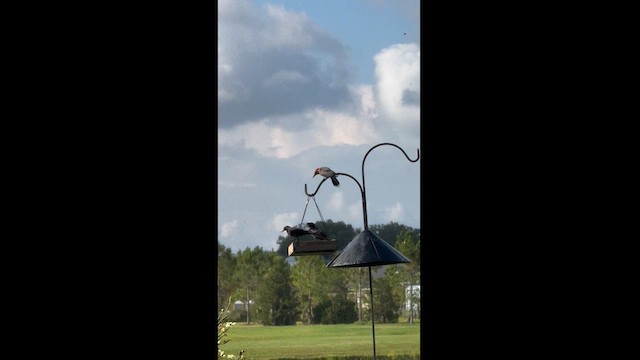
321,218
305,210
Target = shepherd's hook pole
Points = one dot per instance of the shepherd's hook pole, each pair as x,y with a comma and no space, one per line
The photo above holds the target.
364,190
366,227
373,328
366,222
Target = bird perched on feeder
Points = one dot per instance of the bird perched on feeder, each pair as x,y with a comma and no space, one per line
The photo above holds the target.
328,173
317,233
295,232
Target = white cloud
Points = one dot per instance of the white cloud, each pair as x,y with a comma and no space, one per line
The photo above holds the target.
274,62
277,87
355,212
287,105
326,128
286,28
394,213
263,137
336,202
398,83
228,228
396,95
364,99
279,221
334,128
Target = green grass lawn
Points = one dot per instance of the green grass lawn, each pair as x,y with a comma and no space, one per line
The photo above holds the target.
323,341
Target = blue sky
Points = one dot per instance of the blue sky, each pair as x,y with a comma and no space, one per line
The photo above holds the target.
363,26
304,84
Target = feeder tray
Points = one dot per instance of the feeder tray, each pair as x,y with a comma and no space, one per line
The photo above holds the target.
311,247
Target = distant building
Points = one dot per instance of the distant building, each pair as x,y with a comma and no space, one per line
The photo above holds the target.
239,305
416,297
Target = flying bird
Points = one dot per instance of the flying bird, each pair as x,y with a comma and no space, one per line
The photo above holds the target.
326,172
295,232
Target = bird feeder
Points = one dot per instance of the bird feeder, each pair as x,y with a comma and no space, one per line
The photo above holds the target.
307,245
311,247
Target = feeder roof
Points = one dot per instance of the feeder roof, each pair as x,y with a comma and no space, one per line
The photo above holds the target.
367,249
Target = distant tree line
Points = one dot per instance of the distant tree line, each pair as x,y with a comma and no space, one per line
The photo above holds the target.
275,293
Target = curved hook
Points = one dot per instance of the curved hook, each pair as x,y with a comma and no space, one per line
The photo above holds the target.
354,179
364,194
405,154
325,179
318,188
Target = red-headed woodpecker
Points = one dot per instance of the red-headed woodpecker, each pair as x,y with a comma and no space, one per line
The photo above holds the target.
326,172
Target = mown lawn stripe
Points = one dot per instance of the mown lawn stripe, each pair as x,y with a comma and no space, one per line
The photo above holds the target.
323,341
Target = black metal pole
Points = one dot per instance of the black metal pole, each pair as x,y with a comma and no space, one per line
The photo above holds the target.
373,328
366,227
366,221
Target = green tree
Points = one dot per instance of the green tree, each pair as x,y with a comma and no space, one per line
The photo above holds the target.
336,310
395,276
226,266
310,281
357,280
276,303
343,233
250,264
409,245
389,232
387,302
335,307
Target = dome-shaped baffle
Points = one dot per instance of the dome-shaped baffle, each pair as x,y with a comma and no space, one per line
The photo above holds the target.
367,249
